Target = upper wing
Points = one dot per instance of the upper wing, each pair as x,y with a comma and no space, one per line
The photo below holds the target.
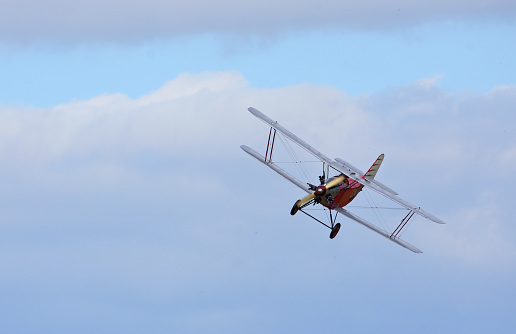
378,230
290,135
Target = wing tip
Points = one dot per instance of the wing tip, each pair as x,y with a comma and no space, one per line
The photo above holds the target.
406,245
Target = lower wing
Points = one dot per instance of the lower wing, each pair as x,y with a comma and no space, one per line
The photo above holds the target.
378,230
275,168
342,211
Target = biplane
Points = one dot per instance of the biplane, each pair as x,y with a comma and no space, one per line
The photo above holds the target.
334,193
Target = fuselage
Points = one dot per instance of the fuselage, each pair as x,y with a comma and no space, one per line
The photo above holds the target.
342,194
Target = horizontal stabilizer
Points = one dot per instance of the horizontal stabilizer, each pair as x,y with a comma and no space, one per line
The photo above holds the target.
389,195
350,167
360,173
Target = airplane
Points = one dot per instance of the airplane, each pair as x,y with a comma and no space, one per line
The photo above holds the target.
336,192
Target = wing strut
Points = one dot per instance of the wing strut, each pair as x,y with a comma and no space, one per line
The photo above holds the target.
403,223
267,155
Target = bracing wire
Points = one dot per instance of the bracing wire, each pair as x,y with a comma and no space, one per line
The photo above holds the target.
375,209
295,158
378,213
305,174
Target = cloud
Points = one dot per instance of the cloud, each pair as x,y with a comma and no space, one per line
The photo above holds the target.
146,208
493,247
136,20
206,113
444,141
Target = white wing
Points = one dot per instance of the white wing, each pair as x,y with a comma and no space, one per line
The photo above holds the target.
378,230
290,135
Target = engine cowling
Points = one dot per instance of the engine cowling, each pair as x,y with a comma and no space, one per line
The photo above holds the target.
320,190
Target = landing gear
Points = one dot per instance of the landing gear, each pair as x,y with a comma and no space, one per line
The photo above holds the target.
335,227
335,230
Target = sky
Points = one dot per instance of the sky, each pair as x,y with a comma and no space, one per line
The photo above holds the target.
128,205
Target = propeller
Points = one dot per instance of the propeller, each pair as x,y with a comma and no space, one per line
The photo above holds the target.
318,192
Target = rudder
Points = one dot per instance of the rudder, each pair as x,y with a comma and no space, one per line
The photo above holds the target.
371,173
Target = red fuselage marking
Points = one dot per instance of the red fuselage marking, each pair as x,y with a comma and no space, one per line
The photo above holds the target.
346,193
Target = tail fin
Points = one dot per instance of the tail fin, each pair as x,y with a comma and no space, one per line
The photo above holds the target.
371,173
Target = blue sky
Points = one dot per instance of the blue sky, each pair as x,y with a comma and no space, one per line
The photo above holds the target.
128,206
467,57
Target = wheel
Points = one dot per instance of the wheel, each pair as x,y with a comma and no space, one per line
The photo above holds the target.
335,230
295,208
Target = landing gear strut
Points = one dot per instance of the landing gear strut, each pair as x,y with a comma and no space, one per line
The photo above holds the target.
334,227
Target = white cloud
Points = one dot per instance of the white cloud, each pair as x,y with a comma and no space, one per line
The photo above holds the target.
478,235
151,202
59,20
422,129
205,114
